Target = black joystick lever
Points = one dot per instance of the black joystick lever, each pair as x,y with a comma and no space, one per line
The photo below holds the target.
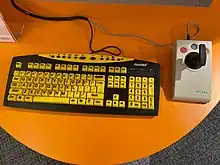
196,60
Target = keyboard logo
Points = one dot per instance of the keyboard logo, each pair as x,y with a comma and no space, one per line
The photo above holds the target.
141,64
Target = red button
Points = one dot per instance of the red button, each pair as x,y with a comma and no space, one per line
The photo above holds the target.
183,50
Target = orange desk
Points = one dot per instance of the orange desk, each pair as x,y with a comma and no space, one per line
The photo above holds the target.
97,139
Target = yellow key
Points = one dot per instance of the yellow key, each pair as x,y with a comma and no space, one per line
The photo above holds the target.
131,85
87,89
134,105
70,94
137,98
31,92
96,68
108,103
92,83
68,88
20,98
110,78
63,67
30,65
83,77
36,65
30,79
69,67
86,82
99,77
57,66
57,93
42,66
67,82
144,98
131,79
55,100
52,75
22,73
151,90
116,97
117,78
123,78
111,69
71,76
49,87
110,84
51,93
75,67
16,79
144,80
34,74
79,82
76,95
48,66
144,106
59,75
131,98
77,76
89,101
63,94
138,86
62,87
89,77
80,88
84,68
24,85
123,70
38,92
15,91
81,101
65,75
100,89
144,92
99,96
15,85
102,69
117,69
138,79
42,80
36,80
144,85
98,102
137,92
61,81
122,104
116,84
151,80
12,98
131,92
28,74
115,103
73,101
151,102
83,95
74,88
73,82
46,75
44,93
40,74
16,73
55,87
90,68
48,81
43,86
23,79
25,92
55,81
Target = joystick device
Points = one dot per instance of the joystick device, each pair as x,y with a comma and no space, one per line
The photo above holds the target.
192,71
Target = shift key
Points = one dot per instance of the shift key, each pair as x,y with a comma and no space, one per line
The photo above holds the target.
15,91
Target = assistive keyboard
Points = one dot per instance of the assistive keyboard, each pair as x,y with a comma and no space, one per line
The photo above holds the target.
85,83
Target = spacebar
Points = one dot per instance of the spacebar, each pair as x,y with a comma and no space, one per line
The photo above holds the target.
55,100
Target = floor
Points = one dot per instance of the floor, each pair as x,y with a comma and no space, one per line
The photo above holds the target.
200,147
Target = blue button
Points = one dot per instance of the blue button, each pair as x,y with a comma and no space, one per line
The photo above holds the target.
194,46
